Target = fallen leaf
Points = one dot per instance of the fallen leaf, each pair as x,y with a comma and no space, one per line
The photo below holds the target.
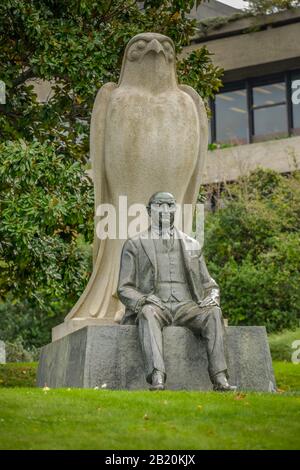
240,396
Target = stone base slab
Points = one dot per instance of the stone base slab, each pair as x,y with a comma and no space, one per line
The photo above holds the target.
69,326
109,356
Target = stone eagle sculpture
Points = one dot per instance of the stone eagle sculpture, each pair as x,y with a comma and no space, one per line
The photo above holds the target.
147,134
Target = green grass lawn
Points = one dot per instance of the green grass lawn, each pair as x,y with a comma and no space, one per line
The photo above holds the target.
287,376
33,418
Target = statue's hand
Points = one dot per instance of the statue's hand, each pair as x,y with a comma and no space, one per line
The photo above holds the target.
211,300
152,299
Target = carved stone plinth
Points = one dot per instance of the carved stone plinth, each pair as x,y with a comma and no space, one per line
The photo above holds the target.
110,357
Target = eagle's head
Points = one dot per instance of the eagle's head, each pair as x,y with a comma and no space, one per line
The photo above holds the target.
146,44
149,61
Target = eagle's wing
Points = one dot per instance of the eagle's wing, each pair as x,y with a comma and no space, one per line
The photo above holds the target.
192,191
97,156
97,149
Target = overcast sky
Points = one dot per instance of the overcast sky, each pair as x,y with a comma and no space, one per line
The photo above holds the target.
235,3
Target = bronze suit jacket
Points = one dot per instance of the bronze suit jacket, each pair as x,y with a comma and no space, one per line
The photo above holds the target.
138,270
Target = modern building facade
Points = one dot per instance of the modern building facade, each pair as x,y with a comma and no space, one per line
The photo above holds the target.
256,116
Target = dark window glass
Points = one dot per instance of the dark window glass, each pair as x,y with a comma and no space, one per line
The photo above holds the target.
266,95
269,110
231,117
270,115
270,121
295,92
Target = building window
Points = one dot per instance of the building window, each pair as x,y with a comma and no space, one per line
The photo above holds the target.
232,117
257,109
269,111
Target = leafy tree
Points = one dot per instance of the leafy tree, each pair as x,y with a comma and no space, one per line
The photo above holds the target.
46,206
77,46
261,7
253,250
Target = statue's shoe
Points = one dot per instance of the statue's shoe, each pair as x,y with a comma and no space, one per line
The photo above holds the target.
225,388
158,381
221,384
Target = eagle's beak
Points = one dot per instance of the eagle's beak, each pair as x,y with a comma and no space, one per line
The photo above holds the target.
154,46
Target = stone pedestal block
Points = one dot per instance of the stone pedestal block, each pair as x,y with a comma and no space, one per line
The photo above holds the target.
69,326
110,357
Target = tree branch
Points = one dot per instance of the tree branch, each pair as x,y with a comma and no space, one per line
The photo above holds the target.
23,77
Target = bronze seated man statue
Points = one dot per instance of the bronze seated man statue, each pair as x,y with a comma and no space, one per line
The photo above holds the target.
164,281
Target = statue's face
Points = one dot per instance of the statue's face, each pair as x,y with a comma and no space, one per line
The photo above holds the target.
146,43
163,213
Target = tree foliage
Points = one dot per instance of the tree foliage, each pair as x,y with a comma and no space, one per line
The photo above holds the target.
262,7
77,46
46,206
253,250
196,69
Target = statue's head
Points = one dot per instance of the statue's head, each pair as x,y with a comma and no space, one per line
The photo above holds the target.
150,43
149,62
161,208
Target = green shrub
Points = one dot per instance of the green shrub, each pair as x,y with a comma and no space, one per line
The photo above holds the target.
18,375
252,248
263,7
16,352
281,344
27,326
46,227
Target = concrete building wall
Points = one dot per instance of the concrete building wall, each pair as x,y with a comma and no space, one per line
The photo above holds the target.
42,88
244,52
238,54
229,163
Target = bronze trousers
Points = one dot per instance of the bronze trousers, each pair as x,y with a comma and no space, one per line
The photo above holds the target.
205,322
